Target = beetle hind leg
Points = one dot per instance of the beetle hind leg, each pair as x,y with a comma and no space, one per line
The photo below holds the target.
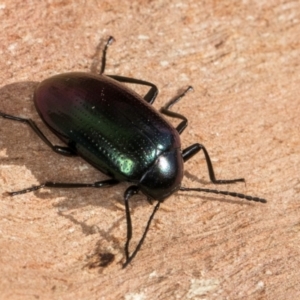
151,94
67,151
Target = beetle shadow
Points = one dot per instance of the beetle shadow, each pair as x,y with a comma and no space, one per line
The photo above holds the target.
24,148
20,146
101,258
97,57
195,178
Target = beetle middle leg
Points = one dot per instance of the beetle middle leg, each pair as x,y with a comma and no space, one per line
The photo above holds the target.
131,191
58,149
50,184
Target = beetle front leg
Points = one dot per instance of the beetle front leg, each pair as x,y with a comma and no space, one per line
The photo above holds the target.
190,151
67,151
132,190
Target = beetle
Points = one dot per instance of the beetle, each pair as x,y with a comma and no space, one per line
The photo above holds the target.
120,133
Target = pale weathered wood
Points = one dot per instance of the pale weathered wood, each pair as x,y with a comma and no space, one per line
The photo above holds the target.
243,60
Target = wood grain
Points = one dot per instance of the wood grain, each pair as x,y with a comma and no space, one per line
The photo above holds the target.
242,58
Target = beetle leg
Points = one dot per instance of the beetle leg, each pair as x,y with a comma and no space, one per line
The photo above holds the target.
50,184
103,61
132,190
190,151
166,111
152,93
58,149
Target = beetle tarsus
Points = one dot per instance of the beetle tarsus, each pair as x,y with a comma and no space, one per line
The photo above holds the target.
27,190
110,40
63,150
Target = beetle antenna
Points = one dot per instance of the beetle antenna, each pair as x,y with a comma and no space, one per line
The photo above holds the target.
227,193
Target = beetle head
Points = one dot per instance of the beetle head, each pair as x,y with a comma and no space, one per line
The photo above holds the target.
164,177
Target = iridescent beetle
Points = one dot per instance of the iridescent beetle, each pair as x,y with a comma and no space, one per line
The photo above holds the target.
119,133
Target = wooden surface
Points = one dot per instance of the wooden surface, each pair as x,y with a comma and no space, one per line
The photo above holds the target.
243,60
